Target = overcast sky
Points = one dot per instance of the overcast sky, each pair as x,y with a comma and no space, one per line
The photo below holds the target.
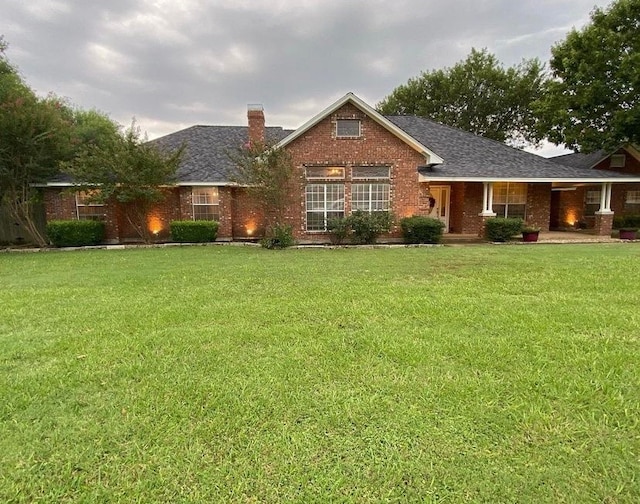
175,63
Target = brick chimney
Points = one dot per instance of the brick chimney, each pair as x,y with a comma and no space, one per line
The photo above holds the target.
255,114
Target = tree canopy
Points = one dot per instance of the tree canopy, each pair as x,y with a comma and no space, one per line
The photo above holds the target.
123,167
478,95
593,100
35,135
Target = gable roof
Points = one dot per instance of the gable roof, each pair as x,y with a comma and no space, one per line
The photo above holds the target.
469,157
432,157
207,158
580,160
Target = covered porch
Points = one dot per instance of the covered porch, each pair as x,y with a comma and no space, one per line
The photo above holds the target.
464,206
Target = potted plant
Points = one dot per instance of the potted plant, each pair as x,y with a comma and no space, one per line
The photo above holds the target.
530,234
628,233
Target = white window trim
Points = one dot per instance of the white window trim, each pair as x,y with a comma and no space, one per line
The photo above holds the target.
369,200
324,210
216,198
632,197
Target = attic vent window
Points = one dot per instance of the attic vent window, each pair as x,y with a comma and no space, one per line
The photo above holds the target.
618,160
348,128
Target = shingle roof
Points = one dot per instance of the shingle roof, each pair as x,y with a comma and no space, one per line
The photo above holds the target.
579,160
208,148
469,156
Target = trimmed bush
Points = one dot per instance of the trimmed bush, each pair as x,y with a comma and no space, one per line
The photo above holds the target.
75,233
618,222
339,229
419,229
500,229
631,222
366,227
193,231
279,236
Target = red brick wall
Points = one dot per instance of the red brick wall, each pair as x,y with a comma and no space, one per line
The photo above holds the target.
631,166
472,222
376,146
60,204
158,218
456,209
247,220
538,205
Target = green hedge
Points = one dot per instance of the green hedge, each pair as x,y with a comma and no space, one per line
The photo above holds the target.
418,229
630,222
75,233
360,227
193,231
500,229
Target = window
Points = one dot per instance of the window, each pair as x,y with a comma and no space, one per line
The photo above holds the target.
618,160
632,202
323,202
325,172
206,203
591,202
348,128
370,197
510,199
369,172
87,208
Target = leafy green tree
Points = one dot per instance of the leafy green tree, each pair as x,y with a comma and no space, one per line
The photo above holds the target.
267,172
477,95
92,127
35,135
127,169
593,100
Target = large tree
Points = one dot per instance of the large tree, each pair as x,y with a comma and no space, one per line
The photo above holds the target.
35,135
124,168
478,95
593,100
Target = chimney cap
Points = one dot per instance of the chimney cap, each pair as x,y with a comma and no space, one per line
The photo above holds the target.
253,107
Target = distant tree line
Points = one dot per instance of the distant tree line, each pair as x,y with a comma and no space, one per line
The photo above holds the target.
588,99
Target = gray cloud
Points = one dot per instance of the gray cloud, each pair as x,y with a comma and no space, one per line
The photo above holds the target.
176,63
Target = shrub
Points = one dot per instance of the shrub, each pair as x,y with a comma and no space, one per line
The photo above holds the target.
366,227
631,222
75,233
418,229
279,236
193,231
339,229
500,229
618,222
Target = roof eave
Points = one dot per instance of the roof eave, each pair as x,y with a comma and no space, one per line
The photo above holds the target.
424,178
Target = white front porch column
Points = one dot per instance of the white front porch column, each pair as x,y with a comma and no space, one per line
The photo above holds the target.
605,199
487,200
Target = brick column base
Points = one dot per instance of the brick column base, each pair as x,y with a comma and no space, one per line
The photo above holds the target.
603,224
483,224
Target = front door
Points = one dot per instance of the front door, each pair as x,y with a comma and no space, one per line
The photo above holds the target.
440,208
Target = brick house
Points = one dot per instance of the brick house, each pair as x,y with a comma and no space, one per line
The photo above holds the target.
350,157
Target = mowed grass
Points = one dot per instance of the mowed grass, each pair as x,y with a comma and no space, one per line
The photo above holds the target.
236,374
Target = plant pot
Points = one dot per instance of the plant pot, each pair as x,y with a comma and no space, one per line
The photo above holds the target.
628,234
530,236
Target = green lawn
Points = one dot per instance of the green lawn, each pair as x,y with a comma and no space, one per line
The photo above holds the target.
236,374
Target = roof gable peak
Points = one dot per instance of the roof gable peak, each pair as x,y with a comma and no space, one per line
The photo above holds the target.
351,98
